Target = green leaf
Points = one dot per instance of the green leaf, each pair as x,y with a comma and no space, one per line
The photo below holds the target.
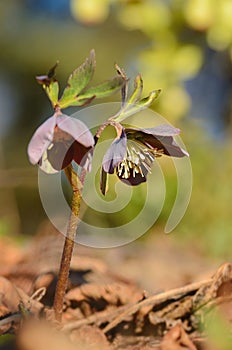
77,81
104,89
52,91
48,78
50,85
147,101
131,109
137,91
83,101
52,71
124,90
104,182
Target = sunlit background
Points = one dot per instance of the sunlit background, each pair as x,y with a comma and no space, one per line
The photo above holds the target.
183,47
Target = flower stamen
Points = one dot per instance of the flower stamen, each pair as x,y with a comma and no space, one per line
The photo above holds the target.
138,160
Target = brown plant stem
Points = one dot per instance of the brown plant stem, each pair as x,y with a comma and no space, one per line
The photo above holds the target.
62,282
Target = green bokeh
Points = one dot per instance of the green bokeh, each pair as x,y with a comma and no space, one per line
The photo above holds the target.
166,44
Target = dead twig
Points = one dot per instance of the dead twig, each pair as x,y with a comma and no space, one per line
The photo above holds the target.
16,317
98,318
219,301
154,300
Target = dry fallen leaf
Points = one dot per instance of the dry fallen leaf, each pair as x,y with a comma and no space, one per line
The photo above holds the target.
224,293
100,296
177,339
41,335
37,335
11,297
91,338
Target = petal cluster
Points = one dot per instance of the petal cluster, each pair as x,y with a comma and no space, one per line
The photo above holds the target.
59,141
132,154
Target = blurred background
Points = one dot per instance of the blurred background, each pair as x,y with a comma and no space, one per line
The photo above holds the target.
183,47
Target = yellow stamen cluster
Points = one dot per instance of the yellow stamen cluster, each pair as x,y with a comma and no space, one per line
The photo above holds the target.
138,160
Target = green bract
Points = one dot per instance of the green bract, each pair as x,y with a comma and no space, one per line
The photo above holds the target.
53,92
77,81
135,103
76,92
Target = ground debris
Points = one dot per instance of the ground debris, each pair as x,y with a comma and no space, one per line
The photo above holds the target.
177,339
40,334
106,311
14,302
180,304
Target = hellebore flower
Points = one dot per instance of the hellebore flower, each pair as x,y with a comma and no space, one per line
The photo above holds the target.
133,152
58,141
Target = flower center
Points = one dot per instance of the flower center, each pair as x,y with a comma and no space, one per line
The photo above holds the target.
138,160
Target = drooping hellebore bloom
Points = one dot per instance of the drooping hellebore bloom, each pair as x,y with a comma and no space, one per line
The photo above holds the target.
59,141
133,152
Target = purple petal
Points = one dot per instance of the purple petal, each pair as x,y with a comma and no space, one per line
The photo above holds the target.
171,148
133,180
160,130
115,153
165,143
60,155
41,139
160,138
82,155
45,165
86,162
76,129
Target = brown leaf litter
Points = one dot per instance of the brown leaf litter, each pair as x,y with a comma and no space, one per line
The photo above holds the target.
102,310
